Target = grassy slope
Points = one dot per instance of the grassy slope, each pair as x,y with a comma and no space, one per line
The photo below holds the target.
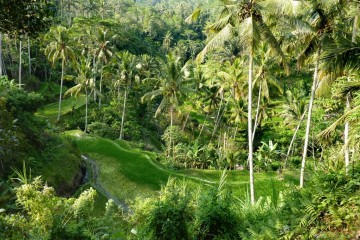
127,173
50,111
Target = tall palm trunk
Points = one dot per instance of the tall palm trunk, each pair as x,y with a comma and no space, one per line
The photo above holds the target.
217,117
185,122
1,66
202,126
257,114
123,114
308,122
252,190
10,58
347,125
20,60
294,137
29,56
100,84
95,70
346,136
61,86
171,150
86,109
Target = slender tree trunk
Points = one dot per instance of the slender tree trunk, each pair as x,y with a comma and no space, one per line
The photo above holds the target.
61,9
294,137
252,190
29,56
186,119
20,61
217,117
100,85
235,132
1,61
86,109
346,136
171,128
203,125
217,122
10,59
61,86
308,122
123,114
257,114
347,125
95,70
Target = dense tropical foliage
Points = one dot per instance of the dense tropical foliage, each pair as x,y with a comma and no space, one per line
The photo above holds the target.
189,88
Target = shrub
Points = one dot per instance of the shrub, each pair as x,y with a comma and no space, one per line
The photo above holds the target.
165,217
214,218
101,129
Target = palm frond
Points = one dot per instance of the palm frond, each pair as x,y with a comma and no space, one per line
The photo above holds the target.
311,43
193,16
217,40
350,87
269,38
343,54
151,95
219,24
345,117
161,106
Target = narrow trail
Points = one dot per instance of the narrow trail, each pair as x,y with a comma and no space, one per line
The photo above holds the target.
95,183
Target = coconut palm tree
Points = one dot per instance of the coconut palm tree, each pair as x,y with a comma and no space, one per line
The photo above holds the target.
343,57
295,109
89,7
316,30
172,86
20,60
102,53
244,19
84,81
1,59
264,79
60,49
126,75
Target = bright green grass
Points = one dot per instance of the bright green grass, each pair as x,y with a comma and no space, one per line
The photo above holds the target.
50,88
127,173
50,111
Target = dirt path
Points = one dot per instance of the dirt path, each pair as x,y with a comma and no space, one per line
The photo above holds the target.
93,172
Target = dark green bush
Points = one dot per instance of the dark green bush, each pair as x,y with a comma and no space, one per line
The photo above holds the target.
170,214
102,130
214,218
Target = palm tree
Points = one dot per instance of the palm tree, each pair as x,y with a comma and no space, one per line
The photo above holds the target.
265,79
58,49
1,65
295,109
244,19
172,86
102,53
318,26
343,56
167,41
347,125
20,61
126,75
70,7
84,80
89,7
